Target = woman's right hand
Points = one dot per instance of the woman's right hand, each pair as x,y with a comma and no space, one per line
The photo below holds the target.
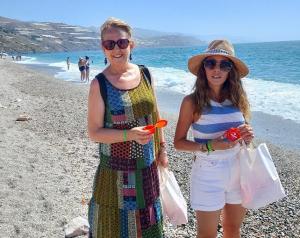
139,135
221,144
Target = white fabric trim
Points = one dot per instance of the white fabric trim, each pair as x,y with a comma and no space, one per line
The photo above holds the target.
220,118
218,51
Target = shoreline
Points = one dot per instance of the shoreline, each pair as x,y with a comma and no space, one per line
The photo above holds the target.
48,163
279,131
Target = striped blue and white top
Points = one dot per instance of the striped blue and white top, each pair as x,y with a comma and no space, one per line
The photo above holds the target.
216,120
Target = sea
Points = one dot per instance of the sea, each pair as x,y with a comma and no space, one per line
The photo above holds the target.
273,85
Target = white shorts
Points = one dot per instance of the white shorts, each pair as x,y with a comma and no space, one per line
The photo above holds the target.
215,180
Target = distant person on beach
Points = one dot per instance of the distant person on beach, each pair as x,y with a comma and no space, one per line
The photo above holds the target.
81,66
125,200
87,68
68,62
217,103
3,55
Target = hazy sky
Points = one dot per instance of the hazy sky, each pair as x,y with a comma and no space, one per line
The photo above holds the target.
254,20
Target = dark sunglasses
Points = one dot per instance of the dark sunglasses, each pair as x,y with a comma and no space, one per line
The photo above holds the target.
110,44
225,65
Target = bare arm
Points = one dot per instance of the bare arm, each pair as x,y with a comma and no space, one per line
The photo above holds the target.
162,157
97,133
185,120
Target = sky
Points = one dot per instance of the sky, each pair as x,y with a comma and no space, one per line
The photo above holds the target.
237,20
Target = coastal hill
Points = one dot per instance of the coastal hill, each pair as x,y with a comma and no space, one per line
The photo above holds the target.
21,37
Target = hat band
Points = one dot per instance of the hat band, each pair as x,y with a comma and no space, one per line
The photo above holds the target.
217,51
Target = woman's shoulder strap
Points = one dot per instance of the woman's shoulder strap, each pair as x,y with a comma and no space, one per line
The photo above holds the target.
146,72
102,85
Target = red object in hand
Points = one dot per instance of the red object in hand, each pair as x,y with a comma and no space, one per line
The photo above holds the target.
150,128
233,134
159,124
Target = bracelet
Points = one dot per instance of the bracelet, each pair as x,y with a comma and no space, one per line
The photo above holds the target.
125,135
162,144
202,149
163,152
209,146
206,146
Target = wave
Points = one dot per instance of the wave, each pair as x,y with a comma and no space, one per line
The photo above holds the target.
30,60
282,99
275,98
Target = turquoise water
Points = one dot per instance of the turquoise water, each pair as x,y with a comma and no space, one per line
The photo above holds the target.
273,85
273,61
276,61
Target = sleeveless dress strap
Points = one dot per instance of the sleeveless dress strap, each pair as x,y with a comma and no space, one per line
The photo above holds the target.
102,85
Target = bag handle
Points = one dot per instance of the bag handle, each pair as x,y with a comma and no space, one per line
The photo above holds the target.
163,174
246,150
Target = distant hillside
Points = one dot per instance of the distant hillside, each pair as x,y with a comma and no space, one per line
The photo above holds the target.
20,37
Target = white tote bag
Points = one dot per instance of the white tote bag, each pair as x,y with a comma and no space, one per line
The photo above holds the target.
173,203
260,183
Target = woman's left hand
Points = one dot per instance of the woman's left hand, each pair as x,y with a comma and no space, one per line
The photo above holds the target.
163,158
246,133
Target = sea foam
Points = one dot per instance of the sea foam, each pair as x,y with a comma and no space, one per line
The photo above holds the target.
282,99
275,98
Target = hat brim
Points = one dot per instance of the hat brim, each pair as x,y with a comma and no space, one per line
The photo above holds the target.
195,62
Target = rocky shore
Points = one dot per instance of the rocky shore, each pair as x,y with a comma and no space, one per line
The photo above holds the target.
47,162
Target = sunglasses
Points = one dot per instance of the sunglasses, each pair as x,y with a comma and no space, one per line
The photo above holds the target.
225,65
110,44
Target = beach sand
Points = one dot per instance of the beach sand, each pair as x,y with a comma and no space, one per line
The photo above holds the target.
47,163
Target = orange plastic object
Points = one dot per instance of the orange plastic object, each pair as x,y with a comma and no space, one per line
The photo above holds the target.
160,124
150,128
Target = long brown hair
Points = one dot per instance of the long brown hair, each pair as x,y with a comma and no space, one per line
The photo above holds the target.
232,89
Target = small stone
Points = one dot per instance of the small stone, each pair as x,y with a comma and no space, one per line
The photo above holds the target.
1,106
77,227
23,117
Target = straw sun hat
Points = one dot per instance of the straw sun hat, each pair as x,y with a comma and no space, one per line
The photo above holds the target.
218,47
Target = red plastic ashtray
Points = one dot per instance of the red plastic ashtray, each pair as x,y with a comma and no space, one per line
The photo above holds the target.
233,134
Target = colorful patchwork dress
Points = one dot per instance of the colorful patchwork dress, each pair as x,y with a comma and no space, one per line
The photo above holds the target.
125,201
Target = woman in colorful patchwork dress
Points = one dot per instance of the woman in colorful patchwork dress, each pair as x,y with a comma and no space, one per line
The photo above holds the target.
217,104
125,200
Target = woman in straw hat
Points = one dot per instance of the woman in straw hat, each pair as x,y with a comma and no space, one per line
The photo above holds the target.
125,200
217,103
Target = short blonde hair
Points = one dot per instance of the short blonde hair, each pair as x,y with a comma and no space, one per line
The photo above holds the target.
117,24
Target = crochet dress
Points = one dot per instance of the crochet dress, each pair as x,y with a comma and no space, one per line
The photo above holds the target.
125,201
